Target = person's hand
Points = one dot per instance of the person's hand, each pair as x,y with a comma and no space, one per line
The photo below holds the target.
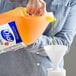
37,7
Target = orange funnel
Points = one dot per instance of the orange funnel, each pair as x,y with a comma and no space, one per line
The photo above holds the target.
29,27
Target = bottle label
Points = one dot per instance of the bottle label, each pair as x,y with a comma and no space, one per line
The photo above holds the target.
9,35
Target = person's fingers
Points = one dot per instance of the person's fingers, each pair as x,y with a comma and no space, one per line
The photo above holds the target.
36,11
43,7
43,4
28,9
32,10
41,13
37,8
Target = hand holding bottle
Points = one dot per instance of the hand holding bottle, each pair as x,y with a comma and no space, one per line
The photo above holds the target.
37,7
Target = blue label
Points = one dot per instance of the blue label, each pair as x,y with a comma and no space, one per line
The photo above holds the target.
7,35
15,31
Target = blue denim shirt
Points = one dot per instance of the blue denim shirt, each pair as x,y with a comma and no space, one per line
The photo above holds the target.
65,30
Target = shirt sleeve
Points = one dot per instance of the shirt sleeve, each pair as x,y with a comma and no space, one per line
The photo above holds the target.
64,37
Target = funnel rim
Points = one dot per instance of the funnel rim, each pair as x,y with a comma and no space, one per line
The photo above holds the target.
52,46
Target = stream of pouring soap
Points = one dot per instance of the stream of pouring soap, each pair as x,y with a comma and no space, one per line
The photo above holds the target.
53,30
52,19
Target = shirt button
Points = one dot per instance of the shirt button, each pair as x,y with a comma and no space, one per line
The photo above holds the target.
37,53
38,64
